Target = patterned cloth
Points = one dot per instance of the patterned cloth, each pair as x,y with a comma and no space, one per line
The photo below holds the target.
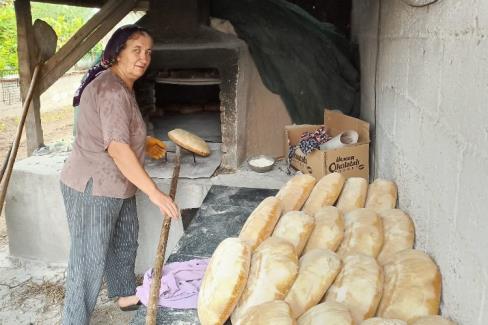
180,284
310,141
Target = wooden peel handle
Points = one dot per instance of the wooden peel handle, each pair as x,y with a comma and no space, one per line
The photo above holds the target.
161,250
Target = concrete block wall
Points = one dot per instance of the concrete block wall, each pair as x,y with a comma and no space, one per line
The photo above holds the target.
425,91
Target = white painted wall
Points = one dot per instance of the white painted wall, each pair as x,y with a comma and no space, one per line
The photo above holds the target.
431,131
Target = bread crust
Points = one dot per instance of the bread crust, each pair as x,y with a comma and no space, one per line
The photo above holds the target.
412,286
328,232
359,286
353,195
262,221
189,141
382,195
224,281
324,193
295,192
317,270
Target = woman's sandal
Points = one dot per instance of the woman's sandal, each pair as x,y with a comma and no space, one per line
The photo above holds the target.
131,307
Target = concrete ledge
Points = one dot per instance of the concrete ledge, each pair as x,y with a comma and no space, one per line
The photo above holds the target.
36,221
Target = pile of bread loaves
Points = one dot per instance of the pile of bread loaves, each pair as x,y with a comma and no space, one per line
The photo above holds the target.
301,260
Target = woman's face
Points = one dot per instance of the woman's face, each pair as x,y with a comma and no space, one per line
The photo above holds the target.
134,59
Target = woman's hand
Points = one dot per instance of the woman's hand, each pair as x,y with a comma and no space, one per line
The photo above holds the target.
130,167
155,148
164,203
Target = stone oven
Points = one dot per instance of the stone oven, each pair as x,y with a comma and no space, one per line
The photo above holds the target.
196,78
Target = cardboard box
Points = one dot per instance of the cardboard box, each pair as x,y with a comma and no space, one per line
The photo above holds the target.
351,161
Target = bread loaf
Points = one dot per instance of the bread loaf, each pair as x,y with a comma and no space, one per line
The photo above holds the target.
353,194
189,141
363,233
431,320
274,312
328,232
382,194
358,286
412,286
383,321
324,193
261,222
224,281
327,313
295,192
295,227
399,233
317,270
274,267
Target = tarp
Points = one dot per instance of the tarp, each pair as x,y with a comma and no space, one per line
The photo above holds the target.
305,61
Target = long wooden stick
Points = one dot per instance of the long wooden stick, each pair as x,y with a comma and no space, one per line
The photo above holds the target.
5,161
18,136
161,251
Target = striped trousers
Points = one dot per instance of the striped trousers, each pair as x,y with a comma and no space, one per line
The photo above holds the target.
103,234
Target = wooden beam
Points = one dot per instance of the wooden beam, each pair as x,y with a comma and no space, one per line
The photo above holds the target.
82,41
27,56
77,3
141,5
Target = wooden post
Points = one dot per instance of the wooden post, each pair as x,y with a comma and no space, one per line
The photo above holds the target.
84,39
27,55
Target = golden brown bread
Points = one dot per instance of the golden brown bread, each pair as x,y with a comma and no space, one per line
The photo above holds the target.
262,221
324,193
363,233
274,267
399,233
431,320
327,313
295,192
328,232
224,281
353,195
382,194
295,227
189,141
317,270
383,321
412,286
273,312
359,286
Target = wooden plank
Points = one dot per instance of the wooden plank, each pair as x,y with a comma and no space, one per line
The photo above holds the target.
87,37
78,3
27,55
141,5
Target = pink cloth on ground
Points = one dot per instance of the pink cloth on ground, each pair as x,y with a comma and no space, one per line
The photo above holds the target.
180,284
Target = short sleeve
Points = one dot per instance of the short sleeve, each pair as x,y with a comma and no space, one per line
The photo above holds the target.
115,115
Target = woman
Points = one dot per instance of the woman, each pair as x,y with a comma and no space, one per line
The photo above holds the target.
102,174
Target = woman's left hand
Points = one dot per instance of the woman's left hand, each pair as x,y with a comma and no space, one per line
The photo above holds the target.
155,148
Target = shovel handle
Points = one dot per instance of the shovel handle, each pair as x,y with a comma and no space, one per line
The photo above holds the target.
20,127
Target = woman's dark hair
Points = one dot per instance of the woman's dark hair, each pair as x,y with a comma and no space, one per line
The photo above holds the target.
115,45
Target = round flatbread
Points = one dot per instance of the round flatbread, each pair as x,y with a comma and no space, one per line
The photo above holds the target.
189,141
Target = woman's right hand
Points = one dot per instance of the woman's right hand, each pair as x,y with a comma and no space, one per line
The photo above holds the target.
164,203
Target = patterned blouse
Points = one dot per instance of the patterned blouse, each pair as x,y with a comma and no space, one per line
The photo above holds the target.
108,112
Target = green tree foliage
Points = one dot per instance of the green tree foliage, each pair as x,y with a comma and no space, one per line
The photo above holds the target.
8,36
65,20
